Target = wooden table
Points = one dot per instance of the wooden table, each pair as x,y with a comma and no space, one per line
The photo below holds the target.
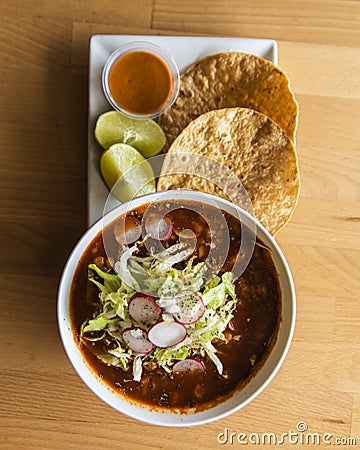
43,123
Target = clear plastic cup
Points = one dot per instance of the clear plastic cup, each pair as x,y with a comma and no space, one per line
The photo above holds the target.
152,85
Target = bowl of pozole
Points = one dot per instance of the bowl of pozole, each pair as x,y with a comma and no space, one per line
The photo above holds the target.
176,308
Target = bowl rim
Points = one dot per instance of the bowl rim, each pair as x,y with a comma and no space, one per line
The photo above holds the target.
170,418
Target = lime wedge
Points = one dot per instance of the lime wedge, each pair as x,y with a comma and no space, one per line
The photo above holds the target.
145,135
126,172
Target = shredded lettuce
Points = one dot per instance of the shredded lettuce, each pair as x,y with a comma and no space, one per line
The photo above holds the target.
165,357
97,324
112,360
215,296
158,276
111,282
123,271
211,351
137,368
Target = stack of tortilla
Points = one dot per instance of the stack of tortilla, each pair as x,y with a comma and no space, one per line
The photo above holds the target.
232,130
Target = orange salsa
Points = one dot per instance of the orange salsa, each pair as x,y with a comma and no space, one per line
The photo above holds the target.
140,82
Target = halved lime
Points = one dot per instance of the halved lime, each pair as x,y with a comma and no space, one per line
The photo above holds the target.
145,135
126,172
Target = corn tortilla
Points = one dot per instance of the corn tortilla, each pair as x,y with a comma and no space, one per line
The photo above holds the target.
247,144
232,79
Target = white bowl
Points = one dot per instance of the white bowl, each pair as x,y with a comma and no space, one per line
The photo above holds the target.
240,398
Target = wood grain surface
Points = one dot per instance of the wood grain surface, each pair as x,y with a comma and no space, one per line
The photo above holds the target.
43,129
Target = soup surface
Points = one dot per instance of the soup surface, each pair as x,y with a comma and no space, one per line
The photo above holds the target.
167,312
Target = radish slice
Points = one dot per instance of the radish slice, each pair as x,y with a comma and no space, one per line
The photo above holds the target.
194,221
166,334
189,365
137,340
158,227
143,308
126,233
186,235
191,306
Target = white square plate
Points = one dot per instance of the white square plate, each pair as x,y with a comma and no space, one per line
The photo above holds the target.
185,50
